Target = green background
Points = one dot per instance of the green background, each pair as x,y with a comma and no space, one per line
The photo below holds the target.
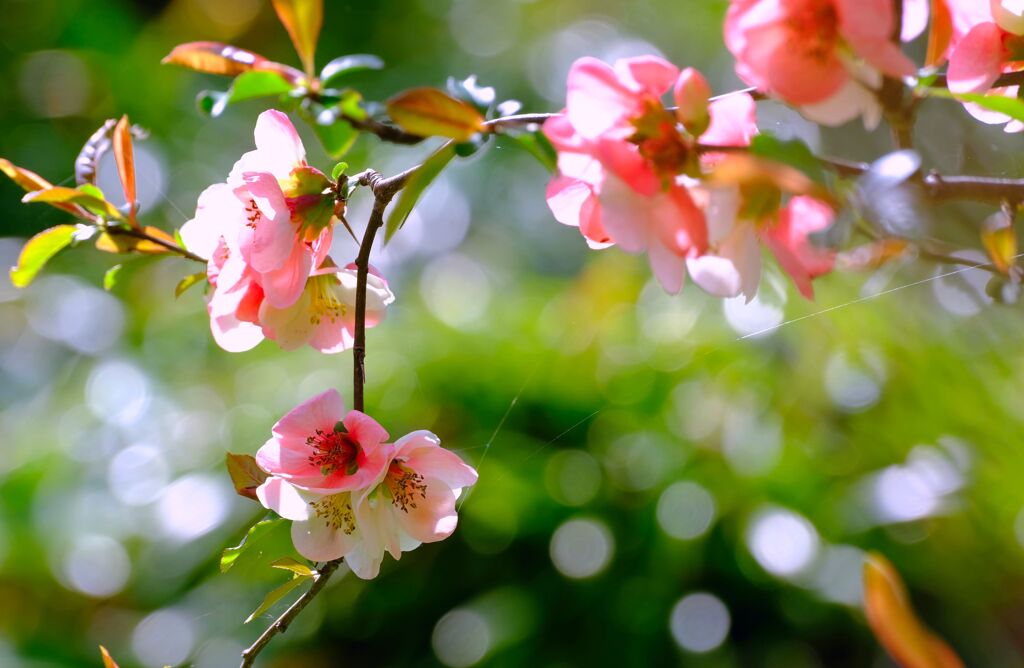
885,415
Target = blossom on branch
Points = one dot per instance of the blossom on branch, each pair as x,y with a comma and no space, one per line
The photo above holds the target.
349,494
826,57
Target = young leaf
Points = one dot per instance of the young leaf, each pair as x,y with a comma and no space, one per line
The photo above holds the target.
537,145
339,68
894,623
302,19
429,112
87,162
111,276
38,251
297,567
257,83
1009,106
336,135
939,33
415,186
31,182
125,158
214,58
1000,241
245,474
256,533
338,170
792,152
276,595
187,282
116,243
108,661
60,195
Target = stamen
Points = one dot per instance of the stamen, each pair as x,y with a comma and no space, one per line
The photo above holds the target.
254,214
336,511
325,302
333,451
404,484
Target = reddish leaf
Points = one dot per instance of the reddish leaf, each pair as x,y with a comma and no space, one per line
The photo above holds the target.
108,661
245,474
939,33
429,112
57,195
894,623
125,157
31,182
303,20
218,58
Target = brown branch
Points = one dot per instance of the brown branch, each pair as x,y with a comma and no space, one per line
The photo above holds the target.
385,131
281,624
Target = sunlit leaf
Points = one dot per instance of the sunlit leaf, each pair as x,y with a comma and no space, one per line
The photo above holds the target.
30,182
1008,106
257,83
246,475
61,195
302,19
940,33
276,595
333,131
338,170
415,186
431,112
212,102
894,622
537,145
753,171
792,152
38,250
124,155
256,533
297,567
108,661
111,276
1000,241
218,58
339,68
112,242
187,282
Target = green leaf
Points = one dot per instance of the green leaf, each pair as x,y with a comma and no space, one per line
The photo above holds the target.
537,145
246,475
1010,106
336,135
187,282
111,276
792,152
256,532
38,251
339,68
415,186
297,567
338,170
256,83
87,196
212,103
276,595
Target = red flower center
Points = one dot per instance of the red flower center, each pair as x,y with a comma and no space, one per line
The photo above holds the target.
333,451
814,29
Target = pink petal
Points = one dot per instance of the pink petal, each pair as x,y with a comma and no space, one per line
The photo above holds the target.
863,21
888,58
364,563
319,412
333,337
233,335
596,101
365,430
647,74
915,19
278,141
268,235
288,458
733,121
668,267
788,241
977,60
567,197
284,285
219,213
283,498
691,94
290,327
317,541
620,205
423,453
792,74
434,516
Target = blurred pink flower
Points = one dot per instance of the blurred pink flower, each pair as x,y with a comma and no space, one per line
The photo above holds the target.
825,56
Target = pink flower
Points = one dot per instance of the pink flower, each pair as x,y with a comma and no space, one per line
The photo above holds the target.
620,154
324,316
789,240
318,446
987,43
825,56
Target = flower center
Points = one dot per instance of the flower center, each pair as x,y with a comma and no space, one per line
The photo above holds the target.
404,485
325,302
336,511
815,29
333,451
658,139
253,214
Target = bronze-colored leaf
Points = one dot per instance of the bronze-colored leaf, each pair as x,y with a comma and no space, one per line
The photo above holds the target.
112,242
57,195
219,58
940,33
108,661
303,20
31,182
246,475
894,623
432,112
124,155
1000,241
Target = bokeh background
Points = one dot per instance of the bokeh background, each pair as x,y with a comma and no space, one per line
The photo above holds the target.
663,482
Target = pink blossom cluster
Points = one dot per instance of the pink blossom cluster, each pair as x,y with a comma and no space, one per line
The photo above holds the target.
629,176
352,494
267,232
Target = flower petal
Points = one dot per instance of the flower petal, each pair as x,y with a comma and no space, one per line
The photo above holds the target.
976,61
283,498
433,517
318,541
319,412
365,430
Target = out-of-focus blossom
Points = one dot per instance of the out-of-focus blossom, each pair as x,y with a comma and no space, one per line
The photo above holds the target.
351,495
988,42
826,57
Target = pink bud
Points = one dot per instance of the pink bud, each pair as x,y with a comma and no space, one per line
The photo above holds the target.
692,93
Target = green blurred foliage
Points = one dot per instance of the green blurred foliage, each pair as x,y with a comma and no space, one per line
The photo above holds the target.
874,419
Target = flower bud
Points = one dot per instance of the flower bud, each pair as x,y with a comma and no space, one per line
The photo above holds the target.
691,95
